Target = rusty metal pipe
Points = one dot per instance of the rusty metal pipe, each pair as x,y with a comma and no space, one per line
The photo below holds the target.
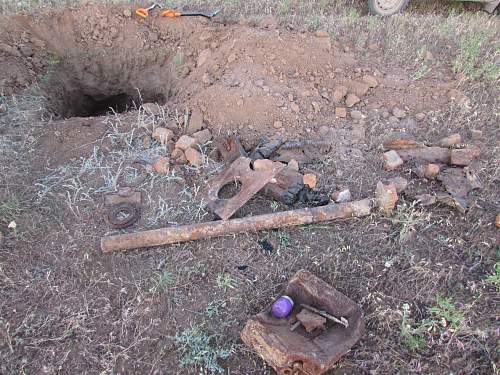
166,236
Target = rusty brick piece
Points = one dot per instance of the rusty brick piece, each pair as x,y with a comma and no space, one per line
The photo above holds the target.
392,160
310,320
312,353
465,156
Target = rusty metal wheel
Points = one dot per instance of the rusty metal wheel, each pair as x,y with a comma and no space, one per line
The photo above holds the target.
387,8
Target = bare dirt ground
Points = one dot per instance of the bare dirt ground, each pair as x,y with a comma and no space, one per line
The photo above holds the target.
427,278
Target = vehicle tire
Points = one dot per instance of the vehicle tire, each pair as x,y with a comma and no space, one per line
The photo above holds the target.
386,8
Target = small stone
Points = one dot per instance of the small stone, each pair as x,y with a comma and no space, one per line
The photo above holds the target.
231,58
202,136
351,100
342,196
278,125
429,171
386,114
392,160
295,108
293,165
316,107
358,88
207,79
27,51
2,236
339,93
451,140
401,183
322,34
185,142
163,135
371,81
127,13
259,83
464,156
310,320
497,223
178,156
426,199
399,113
194,157
310,180
195,122
263,165
290,97
341,112
152,109
162,165
420,116
203,57
357,115
476,134
386,196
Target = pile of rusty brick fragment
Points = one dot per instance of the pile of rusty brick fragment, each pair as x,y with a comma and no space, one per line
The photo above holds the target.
449,163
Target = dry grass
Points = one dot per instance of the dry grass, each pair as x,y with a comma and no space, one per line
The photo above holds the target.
185,304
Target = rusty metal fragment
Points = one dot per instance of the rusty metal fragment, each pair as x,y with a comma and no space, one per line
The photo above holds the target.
298,351
230,148
166,236
426,155
286,186
252,181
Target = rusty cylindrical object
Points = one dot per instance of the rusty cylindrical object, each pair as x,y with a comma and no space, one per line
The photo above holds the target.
200,231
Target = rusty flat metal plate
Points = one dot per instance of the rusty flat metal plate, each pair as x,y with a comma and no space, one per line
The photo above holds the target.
252,181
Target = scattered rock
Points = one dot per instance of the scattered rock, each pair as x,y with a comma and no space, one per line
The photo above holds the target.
202,136
476,134
231,58
497,224
185,142
465,156
162,165
260,83
371,81
401,183
399,113
152,109
127,13
195,122
351,100
357,115
316,107
207,79
342,196
339,94
294,165
429,171
310,180
26,50
203,57
341,112
420,116
278,125
310,320
451,140
358,88
386,196
178,156
163,135
322,34
392,160
194,157
426,199
295,108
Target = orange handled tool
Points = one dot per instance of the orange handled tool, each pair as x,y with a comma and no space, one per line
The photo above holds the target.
174,13
144,12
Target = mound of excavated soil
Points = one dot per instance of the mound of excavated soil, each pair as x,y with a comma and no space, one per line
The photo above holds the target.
252,80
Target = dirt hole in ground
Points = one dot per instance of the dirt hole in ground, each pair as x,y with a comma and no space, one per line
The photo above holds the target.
88,87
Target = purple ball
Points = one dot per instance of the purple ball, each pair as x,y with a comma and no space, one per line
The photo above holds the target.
282,307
